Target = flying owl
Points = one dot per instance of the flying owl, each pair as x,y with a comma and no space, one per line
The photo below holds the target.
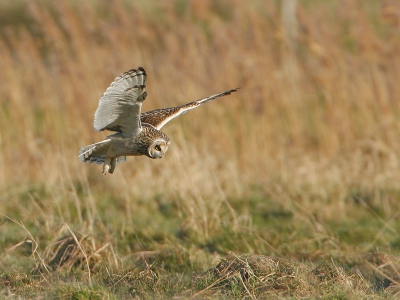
137,133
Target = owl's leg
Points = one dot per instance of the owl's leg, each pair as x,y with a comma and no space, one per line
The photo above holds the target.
113,164
106,166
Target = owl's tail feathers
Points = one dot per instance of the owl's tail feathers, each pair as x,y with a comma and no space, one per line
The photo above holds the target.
86,152
94,153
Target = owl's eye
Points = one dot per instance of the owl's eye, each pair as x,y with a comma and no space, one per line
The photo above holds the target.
157,147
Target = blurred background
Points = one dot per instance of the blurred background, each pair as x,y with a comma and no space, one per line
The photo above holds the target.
311,140
317,78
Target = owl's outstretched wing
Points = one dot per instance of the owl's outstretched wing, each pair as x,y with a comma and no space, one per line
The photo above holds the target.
159,117
120,106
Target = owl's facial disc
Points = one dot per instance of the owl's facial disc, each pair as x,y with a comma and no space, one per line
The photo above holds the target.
157,149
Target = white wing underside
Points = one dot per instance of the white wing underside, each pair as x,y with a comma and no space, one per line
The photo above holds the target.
120,106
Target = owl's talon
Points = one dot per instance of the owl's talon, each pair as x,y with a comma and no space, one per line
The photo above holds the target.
113,163
106,169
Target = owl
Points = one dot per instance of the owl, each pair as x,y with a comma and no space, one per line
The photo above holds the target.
136,133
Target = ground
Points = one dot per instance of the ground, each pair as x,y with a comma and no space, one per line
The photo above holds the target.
288,188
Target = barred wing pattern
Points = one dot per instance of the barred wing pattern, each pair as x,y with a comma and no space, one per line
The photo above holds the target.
137,134
120,106
159,117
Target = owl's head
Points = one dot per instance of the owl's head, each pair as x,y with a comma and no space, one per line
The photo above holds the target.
158,148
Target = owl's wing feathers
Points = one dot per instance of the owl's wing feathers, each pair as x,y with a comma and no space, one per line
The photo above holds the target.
94,152
119,107
101,159
159,117
121,159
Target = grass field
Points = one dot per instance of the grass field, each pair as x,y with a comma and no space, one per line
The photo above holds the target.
288,188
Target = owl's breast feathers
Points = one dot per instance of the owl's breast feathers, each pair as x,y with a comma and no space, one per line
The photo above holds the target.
137,145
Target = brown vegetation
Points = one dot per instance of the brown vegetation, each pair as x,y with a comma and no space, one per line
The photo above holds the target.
301,164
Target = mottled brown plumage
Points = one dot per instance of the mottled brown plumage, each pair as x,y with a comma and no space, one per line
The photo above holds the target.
137,134
159,117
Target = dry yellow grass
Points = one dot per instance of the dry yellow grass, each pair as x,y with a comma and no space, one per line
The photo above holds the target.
313,132
333,99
